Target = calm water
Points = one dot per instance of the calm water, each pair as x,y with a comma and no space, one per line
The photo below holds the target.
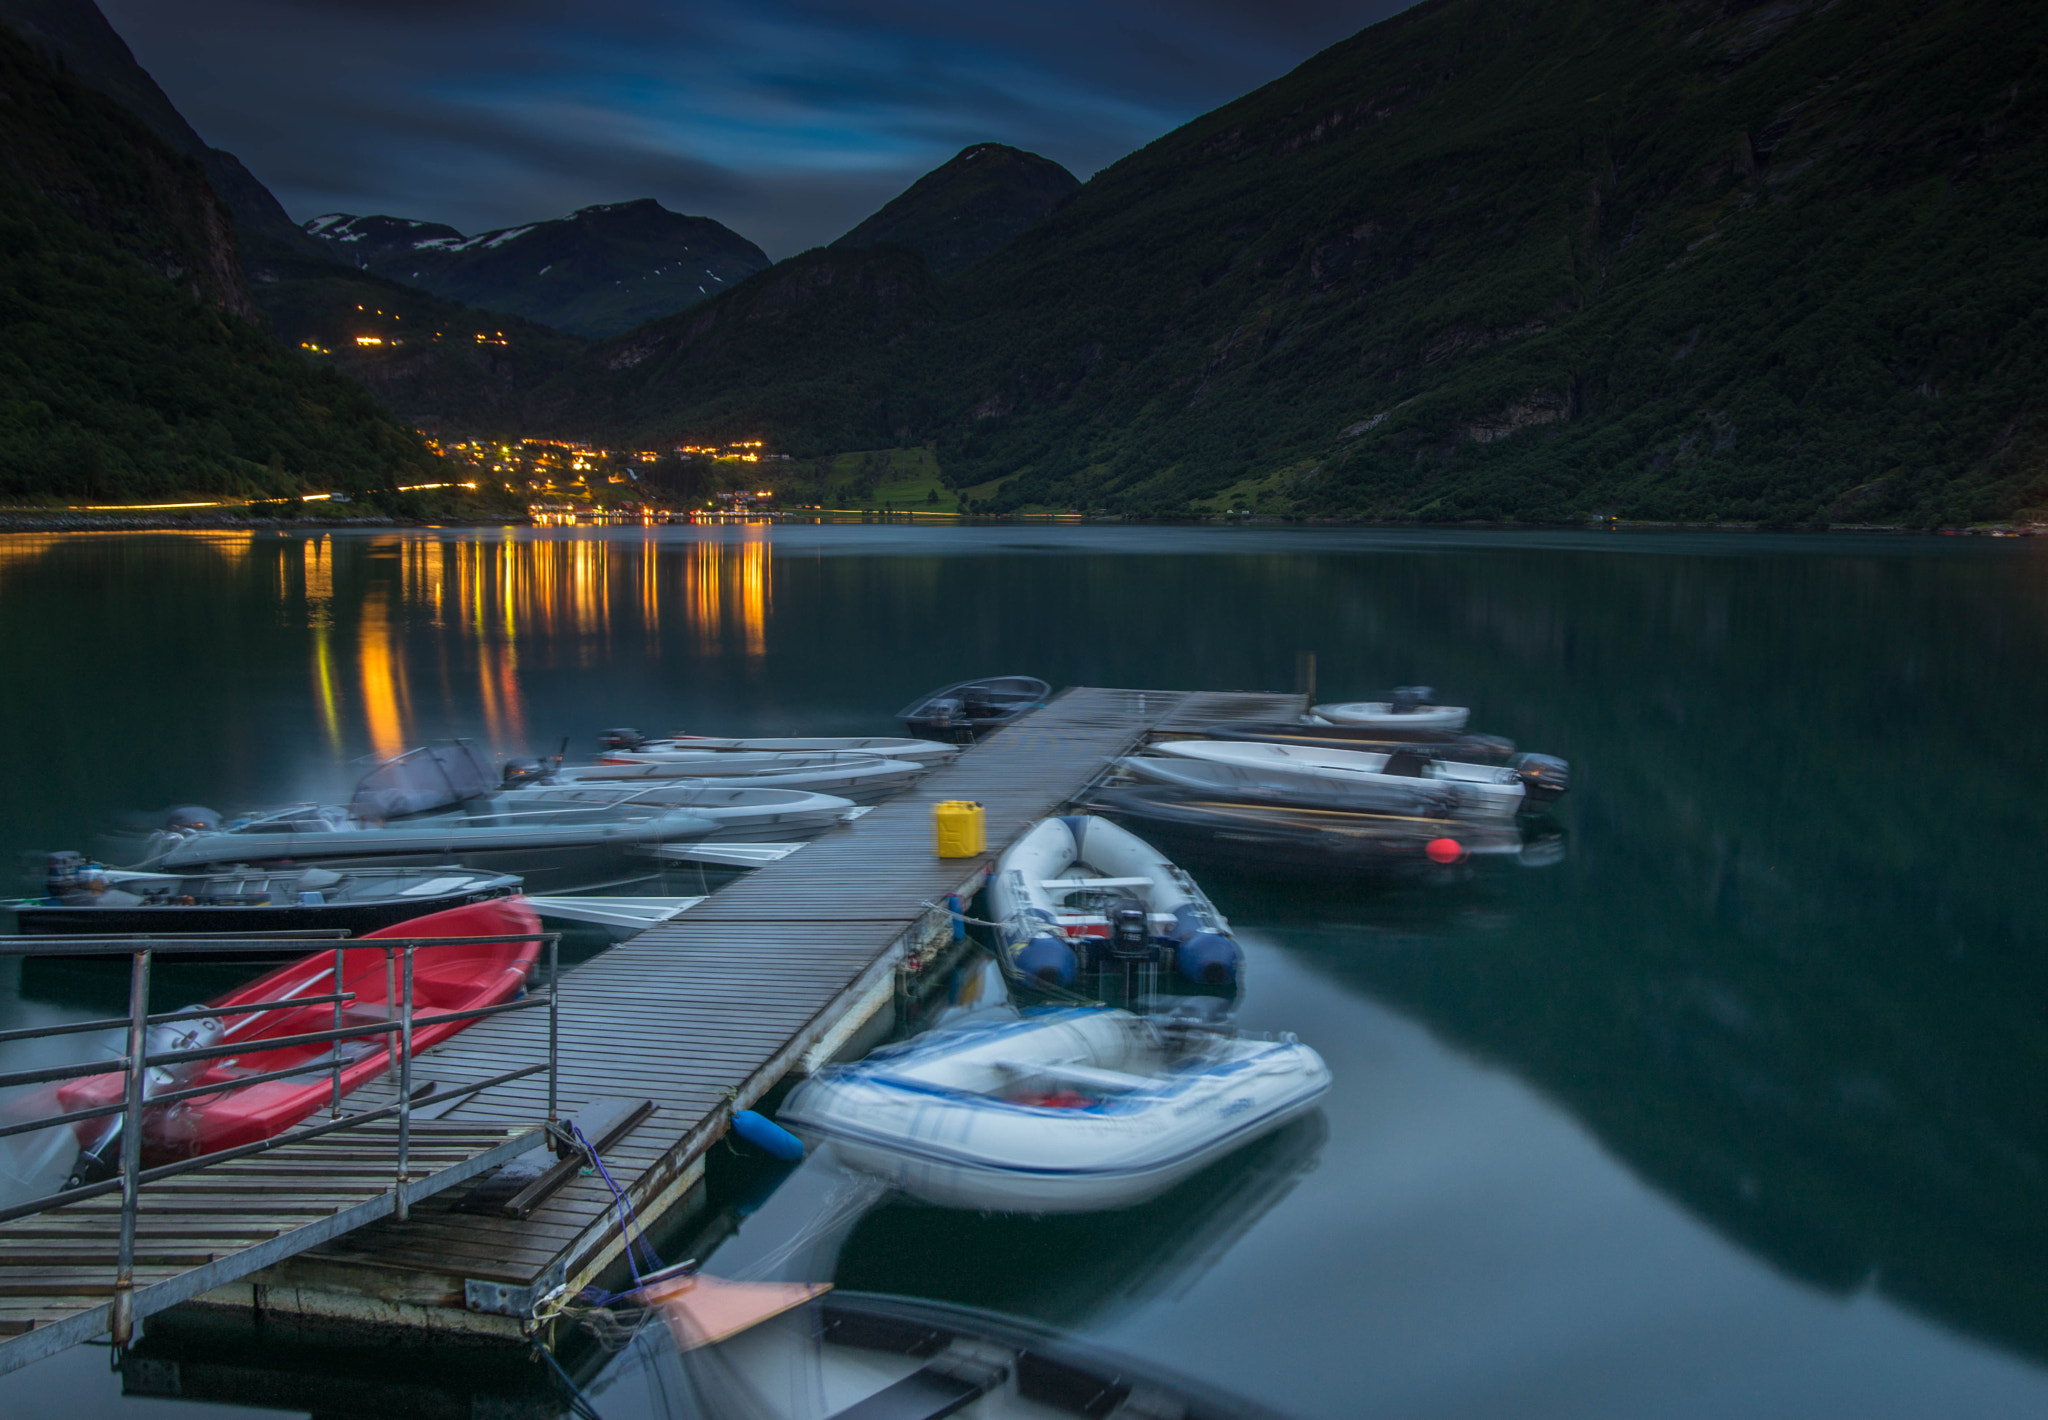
1741,1109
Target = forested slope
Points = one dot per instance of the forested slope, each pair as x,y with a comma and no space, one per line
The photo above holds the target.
1503,259
130,364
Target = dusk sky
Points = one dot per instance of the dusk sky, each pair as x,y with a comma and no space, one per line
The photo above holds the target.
788,120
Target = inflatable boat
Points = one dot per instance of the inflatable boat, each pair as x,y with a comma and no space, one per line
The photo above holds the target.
458,977
1079,894
972,708
1068,1112
1409,708
1469,791
928,752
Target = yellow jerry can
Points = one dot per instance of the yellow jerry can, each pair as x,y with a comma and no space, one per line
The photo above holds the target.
959,828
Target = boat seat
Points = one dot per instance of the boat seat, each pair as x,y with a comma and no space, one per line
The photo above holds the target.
1086,1076
932,1393
1077,884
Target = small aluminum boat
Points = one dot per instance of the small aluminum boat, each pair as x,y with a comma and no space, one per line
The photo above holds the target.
85,897
746,813
1079,894
863,778
1283,837
1469,791
1070,1112
928,752
972,708
1446,744
552,848
1408,708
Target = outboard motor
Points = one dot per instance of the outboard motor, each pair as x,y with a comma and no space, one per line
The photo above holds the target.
1130,933
520,772
1047,959
1407,699
99,1156
620,739
1543,776
191,818
946,711
60,874
1408,762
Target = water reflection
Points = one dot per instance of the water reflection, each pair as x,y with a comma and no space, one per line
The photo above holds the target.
484,612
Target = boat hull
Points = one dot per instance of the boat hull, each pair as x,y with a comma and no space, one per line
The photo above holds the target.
923,1118
1281,838
451,978
1051,932
548,862
1381,715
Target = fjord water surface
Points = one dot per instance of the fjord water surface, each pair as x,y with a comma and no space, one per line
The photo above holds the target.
1738,1109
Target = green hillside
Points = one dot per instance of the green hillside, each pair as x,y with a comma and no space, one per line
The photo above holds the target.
437,364
969,207
1493,259
130,363
806,353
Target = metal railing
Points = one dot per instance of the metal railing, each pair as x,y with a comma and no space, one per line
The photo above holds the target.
138,1060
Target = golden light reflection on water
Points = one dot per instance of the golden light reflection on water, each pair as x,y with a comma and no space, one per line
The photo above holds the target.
754,592
500,608
381,667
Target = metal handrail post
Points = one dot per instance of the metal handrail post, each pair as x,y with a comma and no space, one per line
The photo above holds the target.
334,1100
123,1319
399,1209
390,995
554,1024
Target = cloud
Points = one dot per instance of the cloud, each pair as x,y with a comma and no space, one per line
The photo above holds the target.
789,120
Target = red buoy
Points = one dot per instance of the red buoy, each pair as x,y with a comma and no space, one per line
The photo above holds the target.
1444,850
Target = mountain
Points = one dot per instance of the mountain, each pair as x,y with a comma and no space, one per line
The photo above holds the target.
130,364
596,272
435,364
1499,259
362,240
770,353
94,54
969,207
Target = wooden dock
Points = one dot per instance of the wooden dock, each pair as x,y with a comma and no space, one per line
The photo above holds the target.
202,1229
772,975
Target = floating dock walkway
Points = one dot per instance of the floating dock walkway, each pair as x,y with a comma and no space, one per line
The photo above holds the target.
770,976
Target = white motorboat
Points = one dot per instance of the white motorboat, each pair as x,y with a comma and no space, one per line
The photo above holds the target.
863,778
1409,709
1070,1112
1079,893
1469,791
551,846
926,752
742,812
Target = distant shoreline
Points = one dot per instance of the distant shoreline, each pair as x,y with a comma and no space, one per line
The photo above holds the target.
74,522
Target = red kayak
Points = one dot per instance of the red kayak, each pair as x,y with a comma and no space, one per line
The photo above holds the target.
453,978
